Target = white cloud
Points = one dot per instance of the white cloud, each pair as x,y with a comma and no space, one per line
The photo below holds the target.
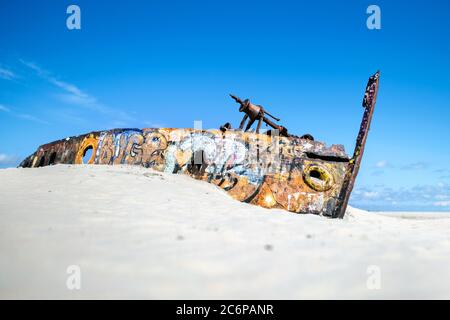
7,74
79,99
370,194
30,117
7,159
442,204
415,166
420,197
4,108
381,164
24,116
74,95
41,72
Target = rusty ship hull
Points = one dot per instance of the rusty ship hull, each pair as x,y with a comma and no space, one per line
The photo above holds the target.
272,171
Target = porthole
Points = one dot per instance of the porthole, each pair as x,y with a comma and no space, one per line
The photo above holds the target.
87,150
87,154
318,177
52,158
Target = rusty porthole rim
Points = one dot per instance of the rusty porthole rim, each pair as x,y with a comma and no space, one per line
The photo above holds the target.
325,176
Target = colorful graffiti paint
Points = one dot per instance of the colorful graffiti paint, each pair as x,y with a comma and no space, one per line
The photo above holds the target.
294,174
288,172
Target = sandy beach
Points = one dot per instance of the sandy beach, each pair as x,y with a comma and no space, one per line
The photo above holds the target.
137,233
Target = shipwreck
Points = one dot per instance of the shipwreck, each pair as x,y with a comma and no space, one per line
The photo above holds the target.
273,169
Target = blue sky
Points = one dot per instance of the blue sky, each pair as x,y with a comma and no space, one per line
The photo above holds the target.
168,63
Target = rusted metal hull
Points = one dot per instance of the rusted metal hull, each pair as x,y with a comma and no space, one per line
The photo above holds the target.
273,172
291,173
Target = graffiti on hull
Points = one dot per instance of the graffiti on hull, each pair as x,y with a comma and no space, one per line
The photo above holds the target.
294,174
282,171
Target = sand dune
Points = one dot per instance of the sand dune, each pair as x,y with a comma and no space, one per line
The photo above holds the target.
137,233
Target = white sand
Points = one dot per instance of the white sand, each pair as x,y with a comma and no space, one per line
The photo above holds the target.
136,233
